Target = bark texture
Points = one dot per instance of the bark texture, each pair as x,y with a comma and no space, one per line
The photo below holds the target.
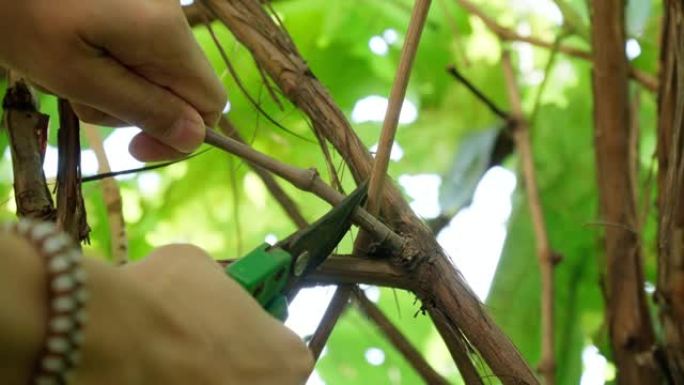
439,285
670,293
71,214
631,332
27,130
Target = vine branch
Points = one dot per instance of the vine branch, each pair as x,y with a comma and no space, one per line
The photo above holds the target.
332,314
547,261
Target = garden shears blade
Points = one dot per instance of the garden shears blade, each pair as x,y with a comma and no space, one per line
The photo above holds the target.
268,271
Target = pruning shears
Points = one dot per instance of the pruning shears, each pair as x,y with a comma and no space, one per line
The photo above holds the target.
269,272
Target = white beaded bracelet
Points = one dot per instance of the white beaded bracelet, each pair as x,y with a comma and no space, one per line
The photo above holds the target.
66,299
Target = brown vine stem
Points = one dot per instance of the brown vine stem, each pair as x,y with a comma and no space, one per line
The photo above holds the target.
504,33
306,180
398,339
27,132
332,314
287,204
396,100
521,134
459,349
628,317
71,212
112,198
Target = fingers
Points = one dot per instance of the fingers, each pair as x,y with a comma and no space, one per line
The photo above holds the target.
94,116
146,148
113,89
172,59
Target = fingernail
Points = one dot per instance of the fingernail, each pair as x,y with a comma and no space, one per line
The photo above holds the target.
187,133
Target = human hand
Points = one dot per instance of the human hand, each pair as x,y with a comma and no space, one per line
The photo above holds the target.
187,323
119,62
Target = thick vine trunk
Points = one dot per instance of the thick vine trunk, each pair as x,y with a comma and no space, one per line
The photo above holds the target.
670,293
439,285
628,319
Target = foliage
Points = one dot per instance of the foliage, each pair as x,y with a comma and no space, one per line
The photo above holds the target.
196,200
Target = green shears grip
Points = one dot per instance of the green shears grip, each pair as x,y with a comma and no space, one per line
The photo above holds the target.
264,273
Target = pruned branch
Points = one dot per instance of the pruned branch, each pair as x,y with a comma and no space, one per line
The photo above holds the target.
71,213
27,132
307,180
287,204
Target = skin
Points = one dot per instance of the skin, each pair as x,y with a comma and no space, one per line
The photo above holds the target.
119,62
174,318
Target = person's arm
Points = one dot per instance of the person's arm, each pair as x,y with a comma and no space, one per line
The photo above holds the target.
172,319
123,62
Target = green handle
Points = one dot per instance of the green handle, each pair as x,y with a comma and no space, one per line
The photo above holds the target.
264,273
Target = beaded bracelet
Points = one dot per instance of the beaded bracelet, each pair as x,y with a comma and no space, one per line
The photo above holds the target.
66,299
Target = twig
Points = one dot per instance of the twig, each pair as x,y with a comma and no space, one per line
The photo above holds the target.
397,338
243,89
478,93
332,314
112,198
521,135
71,213
287,204
457,348
396,100
27,132
504,33
307,180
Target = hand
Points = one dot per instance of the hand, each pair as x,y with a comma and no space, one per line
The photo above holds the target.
187,324
119,62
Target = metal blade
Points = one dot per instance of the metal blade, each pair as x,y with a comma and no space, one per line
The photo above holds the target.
312,245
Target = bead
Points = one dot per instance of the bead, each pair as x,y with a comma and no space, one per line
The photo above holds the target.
77,338
56,243
63,282
81,317
80,275
82,295
74,255
59,263
61,324
42,230
63,304
24,225
53,364
58,345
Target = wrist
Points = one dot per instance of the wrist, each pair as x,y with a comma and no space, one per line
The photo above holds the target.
24,313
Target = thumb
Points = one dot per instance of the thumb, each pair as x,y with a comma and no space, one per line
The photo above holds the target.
112,88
